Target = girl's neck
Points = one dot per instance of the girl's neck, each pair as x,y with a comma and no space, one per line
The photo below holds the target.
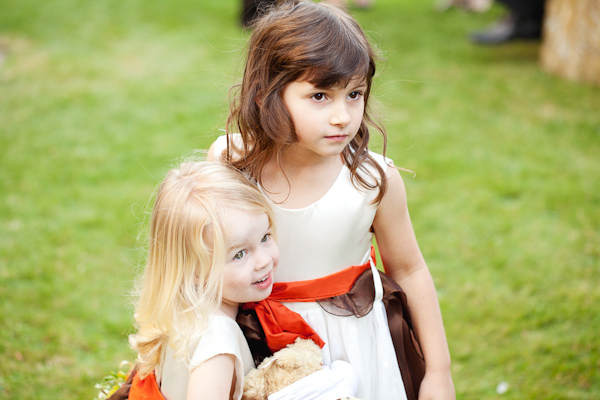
296,161
297,183
227,309
294,158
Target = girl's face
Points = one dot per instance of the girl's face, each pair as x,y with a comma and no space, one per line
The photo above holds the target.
325,120
252,257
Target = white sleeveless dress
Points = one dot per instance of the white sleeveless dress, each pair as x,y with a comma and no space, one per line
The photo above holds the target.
326,237
222,336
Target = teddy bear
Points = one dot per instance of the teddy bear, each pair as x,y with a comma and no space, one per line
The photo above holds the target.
296,371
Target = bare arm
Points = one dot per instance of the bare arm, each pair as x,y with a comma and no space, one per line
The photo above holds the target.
403,261
214,379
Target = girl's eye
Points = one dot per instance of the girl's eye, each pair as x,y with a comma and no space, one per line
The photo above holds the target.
240,255
265,238
318,96
355,95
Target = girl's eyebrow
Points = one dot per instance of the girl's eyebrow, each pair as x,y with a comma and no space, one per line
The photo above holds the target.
316,88
242,243
360,83
234,246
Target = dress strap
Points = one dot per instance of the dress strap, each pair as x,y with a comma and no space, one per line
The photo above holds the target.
376,282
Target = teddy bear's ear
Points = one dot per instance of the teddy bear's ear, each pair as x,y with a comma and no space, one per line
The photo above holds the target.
268,362
308,346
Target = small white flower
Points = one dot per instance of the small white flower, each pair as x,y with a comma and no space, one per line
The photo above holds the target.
502,387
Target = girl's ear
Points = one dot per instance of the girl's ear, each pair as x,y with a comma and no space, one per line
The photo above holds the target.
258,99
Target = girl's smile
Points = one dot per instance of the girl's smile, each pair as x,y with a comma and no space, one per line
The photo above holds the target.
265,282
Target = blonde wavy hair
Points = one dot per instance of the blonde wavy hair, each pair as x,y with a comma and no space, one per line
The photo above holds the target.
181,285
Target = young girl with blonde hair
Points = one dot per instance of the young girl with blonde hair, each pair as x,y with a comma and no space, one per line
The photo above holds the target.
303,126
211,248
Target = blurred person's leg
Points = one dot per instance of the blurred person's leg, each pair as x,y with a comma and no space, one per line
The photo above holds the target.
523,21
358,3
363,3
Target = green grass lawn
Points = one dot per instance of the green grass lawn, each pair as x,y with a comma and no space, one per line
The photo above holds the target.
98,98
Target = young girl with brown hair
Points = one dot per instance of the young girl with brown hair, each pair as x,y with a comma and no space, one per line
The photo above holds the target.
303,126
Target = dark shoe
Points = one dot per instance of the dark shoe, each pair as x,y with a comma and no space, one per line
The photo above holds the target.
509,28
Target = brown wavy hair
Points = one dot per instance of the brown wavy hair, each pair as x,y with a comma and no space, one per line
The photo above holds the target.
300,40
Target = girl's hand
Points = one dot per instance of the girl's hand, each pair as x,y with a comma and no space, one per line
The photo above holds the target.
437,385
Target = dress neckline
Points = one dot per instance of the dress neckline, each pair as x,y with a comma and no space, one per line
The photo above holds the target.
313,204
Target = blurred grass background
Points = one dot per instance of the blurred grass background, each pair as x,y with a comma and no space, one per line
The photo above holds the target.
97,98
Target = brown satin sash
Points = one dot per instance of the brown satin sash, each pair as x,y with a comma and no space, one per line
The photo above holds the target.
357,301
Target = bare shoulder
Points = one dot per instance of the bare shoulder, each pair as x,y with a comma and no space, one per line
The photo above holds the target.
217,149
395,195
210,156
214,379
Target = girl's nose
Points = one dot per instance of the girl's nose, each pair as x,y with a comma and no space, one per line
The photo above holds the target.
264,260
340,115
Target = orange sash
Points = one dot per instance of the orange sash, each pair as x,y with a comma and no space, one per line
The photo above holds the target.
281,325
145,389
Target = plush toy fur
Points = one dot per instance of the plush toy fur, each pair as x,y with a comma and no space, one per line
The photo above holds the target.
288,365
